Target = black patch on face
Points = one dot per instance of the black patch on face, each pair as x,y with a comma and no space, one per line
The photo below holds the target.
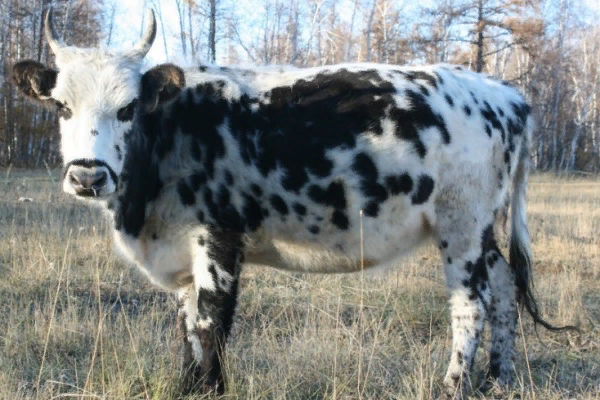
424,189
449,100
186,195
467,110
119,154
313,229
279,204
397,184
126,113
340,220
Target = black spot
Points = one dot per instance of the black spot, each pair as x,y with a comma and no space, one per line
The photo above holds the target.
94,132
154,236
203,68
506,157
223,197
196,151
467,110
365,167
340,220
299,209
488,130
490,115
197,179
469,267
256,190
313,229
200,216
397,184
228,177
371,209
410,122
449,100
252,213
474,98
278,204
201,241
186,195
119,153
333,196
444,244
419,75
424,189
500,112
449,260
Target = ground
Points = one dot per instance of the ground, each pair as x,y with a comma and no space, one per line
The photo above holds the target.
76,321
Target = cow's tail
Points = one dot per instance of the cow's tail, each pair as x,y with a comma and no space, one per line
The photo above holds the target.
520,243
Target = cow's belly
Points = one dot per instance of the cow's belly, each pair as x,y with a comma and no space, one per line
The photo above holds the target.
381,243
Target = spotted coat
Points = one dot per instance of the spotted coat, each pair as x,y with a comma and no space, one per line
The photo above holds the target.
207,169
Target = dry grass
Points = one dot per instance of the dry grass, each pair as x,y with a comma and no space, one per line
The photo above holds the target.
77,322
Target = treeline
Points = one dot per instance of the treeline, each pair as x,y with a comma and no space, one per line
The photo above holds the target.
549,48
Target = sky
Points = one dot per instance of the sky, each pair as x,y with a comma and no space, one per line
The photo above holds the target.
250,13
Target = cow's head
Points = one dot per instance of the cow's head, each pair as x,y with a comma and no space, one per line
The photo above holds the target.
96,94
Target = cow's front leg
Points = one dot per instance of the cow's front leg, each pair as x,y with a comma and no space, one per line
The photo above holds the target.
207,308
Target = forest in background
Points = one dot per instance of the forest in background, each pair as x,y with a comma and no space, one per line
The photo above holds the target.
549,48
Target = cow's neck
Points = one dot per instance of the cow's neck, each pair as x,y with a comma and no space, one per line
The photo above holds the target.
139,182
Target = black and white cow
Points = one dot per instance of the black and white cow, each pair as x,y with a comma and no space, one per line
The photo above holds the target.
205,170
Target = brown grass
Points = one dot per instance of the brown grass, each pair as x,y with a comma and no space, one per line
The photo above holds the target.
76,322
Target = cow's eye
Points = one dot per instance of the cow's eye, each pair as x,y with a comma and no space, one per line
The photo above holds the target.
126,113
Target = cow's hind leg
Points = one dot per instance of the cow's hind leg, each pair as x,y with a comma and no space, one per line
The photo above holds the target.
464,242
502,318
207,308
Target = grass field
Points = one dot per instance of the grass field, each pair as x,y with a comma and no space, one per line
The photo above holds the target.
77,322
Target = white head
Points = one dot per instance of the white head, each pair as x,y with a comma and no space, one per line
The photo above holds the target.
95,93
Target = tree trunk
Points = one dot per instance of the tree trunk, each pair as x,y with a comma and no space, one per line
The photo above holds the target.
480,28
212,48
370,28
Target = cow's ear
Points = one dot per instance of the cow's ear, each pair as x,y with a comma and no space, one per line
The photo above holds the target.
35,81
161,84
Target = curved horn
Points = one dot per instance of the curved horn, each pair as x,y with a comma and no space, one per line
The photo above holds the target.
50,33
143,46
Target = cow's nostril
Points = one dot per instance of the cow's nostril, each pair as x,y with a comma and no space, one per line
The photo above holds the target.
73,179
100,181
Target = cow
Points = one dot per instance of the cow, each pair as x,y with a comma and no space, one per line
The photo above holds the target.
205,170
